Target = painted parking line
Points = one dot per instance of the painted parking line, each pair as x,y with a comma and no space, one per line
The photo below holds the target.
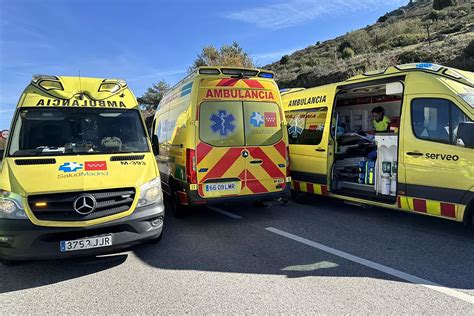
376,266
229,214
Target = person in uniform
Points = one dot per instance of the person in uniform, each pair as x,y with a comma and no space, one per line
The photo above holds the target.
379,120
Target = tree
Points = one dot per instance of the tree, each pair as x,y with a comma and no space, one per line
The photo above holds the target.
228,55
152,97
441,4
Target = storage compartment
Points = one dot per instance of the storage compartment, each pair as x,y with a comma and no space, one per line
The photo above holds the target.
366,162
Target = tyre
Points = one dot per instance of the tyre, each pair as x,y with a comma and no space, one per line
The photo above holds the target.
179,210
298,196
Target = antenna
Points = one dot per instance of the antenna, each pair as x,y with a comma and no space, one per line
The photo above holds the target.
80,85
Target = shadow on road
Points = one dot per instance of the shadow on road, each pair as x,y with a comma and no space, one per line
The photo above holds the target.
31,274
434,249
430,248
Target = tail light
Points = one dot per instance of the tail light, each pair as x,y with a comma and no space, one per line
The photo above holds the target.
287,161
191,173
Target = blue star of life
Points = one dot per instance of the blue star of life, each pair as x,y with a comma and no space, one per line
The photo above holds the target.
222,123
256,119
70,167
295,130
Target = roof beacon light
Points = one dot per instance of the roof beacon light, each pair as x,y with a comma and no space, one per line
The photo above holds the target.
111,87
263,74
421,66
51,85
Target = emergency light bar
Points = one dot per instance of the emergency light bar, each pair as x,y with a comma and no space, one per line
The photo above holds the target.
237,72
209,71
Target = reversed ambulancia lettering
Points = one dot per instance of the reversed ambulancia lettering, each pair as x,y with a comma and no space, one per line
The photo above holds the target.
307,101
79,103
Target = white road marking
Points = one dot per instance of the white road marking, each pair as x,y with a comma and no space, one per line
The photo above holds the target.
399,274
229,214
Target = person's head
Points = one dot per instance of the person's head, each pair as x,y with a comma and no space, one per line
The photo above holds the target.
378,113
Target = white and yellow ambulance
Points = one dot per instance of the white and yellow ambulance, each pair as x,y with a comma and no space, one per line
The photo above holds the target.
222,139
422,161
78,175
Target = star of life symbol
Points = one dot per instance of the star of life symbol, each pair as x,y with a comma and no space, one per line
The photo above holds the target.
222,123
70,167
296,126
256,119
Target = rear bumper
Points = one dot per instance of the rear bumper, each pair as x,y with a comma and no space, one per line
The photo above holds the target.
38,242
195,199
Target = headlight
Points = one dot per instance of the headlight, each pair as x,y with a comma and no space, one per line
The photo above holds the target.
11,206
150,193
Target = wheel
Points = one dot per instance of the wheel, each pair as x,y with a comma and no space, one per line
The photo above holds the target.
298,196
179,210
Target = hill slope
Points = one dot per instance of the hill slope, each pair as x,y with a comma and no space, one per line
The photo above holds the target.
398,37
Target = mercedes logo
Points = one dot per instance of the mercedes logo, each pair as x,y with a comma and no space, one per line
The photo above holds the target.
85,204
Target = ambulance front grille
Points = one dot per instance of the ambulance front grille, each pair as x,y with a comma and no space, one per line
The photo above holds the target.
60,206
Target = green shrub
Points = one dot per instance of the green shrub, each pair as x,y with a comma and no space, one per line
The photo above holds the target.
348,53
405,40
436,15
284,60
441,4
359,41
413,56
469,50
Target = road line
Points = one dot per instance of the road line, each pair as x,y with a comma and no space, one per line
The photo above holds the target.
229,214
376,266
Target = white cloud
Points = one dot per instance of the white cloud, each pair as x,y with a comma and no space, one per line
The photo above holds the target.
295,12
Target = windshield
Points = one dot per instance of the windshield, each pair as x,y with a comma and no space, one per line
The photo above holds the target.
54,132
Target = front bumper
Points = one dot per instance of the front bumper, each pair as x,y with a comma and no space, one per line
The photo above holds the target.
38,242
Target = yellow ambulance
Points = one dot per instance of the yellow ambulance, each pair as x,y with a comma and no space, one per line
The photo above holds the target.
400,138
222,139
78,175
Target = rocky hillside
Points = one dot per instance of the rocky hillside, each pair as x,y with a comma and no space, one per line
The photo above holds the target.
412,33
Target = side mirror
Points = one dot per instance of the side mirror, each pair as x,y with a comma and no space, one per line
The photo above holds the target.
2,152
465,135
155,144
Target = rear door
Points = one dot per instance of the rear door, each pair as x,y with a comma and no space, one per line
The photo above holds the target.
308,138
266,163
220,152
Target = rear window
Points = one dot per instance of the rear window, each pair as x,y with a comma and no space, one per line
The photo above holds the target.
262,123
236,123
221,124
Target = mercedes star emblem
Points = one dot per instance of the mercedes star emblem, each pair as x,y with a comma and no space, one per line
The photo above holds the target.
85,204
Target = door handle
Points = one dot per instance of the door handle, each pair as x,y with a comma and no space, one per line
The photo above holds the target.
256,162
414,153
320,149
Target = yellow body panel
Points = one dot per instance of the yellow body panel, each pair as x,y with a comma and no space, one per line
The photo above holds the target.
181,114
420,81
27,180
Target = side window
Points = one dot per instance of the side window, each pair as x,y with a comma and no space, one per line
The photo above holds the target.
306,127
436,119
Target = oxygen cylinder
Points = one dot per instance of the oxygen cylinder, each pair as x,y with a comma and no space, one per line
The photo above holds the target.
385,184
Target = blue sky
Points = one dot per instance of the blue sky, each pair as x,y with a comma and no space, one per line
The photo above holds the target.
146,41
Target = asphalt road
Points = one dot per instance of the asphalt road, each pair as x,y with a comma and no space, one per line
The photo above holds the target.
321,256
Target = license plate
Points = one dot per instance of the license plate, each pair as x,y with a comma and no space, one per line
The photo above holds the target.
86,243
221,187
